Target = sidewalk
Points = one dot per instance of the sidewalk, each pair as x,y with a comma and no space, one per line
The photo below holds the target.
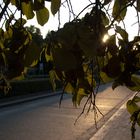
118,127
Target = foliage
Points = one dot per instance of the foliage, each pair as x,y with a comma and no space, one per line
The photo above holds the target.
134,109
81,59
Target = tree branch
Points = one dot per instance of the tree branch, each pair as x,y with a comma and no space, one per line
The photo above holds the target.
4,9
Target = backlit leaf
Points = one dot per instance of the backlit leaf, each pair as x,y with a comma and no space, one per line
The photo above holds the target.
20,22
136,81
78,96
105,78
118,11
69,88
27,9
52,79
132,106
42,16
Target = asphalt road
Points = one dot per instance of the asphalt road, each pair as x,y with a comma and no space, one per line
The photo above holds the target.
43,119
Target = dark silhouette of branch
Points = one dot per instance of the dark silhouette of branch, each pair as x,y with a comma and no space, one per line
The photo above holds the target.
4,9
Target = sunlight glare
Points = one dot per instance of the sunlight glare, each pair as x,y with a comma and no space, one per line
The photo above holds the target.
105,38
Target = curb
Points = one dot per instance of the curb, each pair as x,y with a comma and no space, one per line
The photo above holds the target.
28,98
103,121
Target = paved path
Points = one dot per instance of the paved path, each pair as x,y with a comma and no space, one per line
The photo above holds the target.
44,120
117,127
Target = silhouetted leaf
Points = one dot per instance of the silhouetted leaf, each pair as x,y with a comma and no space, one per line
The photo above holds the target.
118,11
122,32
107,2
42,16
64,59
32,55
55,5
105,19
138,5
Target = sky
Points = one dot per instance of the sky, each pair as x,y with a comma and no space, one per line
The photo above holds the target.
78,5
52,23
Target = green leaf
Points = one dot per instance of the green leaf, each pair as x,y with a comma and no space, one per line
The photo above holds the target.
136,81
138,5
20,22
105,78
42,16
132,106
55,5
27,9
119,11
122,32
52,79
32,55
78,96
136,99
69,88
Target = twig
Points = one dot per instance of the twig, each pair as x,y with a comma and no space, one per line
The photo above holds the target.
4,9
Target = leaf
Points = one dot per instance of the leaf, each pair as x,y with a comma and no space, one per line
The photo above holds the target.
69,88
132,106
32,55
136,81
20,22
107,2
63,59
38,4
55,5
87,41
136,99
105,78
119,11
104,18
67,36
113,68
78,96
138,119
52,79
122,32
138,5
27,9
42,16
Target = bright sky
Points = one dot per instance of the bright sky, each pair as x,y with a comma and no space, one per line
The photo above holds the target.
52,24
78,5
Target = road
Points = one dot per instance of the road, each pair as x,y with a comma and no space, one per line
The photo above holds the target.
43,119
